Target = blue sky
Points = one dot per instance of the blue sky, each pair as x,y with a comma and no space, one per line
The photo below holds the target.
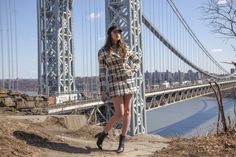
219,47
89,24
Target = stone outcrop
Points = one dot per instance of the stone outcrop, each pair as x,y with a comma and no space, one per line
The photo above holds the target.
23,102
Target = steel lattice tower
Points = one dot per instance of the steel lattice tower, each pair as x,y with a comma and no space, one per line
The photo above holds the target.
55,47
127,15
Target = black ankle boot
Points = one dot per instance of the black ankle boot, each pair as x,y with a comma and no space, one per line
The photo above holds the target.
121,144
101,136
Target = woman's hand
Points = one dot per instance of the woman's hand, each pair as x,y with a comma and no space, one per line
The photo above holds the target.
133,70
103,96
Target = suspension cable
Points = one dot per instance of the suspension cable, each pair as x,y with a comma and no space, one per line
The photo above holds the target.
16,48
170,2
8,46
172,48
1,43
11,44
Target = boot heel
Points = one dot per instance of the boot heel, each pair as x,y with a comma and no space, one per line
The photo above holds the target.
100,138
121,146
98,134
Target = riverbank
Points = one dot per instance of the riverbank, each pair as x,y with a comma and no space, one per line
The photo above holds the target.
215,146
220,145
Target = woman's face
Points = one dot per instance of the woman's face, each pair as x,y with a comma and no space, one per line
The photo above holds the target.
115,35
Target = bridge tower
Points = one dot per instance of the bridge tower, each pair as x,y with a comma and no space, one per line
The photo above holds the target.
127,15
55,48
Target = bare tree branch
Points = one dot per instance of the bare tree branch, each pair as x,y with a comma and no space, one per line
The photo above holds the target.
221,17
233,47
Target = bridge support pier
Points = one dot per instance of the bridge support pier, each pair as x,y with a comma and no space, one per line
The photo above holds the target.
55,48
127,15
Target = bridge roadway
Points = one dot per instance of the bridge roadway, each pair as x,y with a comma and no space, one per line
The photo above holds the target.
153,99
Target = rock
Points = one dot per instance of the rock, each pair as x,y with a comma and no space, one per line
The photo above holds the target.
9,102
45,98
2,95
41,104
1,102
20,104
39,98
14,93
23,102
3,91
29,104
18,98
74,122
27,97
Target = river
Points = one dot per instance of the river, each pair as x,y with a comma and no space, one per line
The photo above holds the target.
193,117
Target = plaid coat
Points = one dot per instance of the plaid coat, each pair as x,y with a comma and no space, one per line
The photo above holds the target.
120,74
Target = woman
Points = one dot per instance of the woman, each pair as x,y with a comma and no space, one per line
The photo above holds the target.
114,57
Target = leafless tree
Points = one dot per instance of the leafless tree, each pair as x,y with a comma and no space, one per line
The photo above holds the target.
221,16
221,113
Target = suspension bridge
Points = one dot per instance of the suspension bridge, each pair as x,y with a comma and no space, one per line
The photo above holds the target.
175,65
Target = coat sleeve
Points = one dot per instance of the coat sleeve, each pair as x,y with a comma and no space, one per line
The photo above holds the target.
135,60
102,71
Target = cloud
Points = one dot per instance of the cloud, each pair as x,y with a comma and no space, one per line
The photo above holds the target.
220,2
93,16
216,50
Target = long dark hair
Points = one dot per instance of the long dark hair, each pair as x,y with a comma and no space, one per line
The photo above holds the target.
120,45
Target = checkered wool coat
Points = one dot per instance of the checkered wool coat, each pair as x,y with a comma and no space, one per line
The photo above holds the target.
120,76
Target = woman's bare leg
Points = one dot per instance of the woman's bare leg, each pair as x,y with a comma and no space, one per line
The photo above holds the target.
118,103
127,114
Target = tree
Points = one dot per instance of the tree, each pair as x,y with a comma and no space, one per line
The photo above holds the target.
221,16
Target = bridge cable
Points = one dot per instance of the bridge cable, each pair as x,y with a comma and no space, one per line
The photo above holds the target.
83,48
153,45
1,43
11,44
89,48
183,21
8,46
170,2
173,49
16,47
96,45
162,50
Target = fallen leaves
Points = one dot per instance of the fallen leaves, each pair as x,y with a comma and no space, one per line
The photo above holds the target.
216,145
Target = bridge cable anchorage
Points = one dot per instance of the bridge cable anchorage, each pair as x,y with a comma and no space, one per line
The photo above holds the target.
176,52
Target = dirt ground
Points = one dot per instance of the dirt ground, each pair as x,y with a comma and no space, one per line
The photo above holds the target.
49,137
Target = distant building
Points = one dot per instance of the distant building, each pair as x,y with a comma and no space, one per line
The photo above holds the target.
165,84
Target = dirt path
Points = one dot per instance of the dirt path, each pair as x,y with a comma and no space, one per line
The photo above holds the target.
42,136
78,147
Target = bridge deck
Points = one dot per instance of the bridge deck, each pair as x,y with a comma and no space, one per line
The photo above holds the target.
170,96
